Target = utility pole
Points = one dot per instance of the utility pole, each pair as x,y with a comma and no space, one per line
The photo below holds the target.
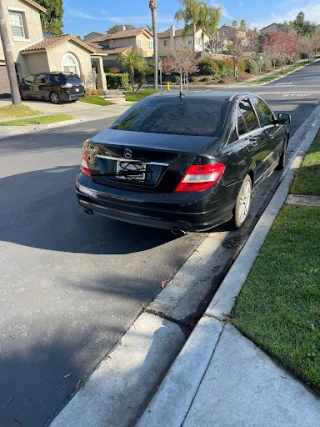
153,7
4,35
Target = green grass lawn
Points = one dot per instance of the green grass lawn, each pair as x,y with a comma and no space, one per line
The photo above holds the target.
97,100
308,177
38,120
137,96
279,306
279,73
14,111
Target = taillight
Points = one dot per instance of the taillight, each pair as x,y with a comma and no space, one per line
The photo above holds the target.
84,165
201,177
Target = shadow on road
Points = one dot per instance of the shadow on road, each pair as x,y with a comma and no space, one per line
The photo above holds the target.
40,210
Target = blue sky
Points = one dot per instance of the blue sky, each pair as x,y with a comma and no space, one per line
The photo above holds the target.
83,16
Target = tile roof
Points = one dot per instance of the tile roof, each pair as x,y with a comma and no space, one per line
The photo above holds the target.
54,41
120,35
166,34
37,5
108,51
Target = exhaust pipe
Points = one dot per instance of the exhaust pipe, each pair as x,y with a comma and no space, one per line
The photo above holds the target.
178,232
88,211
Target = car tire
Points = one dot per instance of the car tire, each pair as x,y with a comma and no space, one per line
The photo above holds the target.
282,158
54,98
243,202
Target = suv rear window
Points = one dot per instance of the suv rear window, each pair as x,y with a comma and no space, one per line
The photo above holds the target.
175,115
62,79
74,80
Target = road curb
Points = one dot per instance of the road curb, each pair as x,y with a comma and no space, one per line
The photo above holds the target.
122,386
167,403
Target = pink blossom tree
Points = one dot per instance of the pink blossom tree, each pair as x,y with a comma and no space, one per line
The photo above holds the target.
182,61
279,46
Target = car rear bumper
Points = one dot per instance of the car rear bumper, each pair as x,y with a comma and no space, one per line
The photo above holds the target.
67,96
155,214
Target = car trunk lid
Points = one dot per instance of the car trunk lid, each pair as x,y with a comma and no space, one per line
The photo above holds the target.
142,161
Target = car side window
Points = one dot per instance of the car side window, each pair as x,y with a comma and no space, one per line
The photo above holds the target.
242,127
41,79
29,80
248,114
55,78
265,114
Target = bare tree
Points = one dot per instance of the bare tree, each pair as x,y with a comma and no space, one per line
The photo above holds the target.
15,94
305,45
153,7
241,41
182,61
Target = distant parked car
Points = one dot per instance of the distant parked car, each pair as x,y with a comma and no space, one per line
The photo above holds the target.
183,162
55,87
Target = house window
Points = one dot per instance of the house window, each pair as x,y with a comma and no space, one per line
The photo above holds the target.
190,40
139,42
197,41
150,45
70,64
17,24
166,42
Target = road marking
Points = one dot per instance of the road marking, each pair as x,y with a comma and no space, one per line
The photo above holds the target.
296,94
283,84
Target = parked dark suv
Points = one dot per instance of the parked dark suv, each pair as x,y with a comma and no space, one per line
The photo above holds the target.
56,87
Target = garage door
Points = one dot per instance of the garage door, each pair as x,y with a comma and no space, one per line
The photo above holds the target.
4,82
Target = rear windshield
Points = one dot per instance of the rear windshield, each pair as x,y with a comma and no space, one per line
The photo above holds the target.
178,116
74,80
63,79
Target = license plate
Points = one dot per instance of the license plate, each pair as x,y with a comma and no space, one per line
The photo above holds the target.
131,171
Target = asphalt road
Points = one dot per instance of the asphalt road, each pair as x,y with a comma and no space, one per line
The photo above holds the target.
71,284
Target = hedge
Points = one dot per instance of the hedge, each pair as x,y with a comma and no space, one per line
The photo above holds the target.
116,81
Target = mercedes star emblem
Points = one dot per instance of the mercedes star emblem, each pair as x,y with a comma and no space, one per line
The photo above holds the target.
127,153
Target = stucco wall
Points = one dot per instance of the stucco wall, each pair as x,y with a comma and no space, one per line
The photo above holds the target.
32,26
36,63
132,41
179,42
56,54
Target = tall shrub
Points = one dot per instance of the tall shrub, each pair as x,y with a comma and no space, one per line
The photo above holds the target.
116,81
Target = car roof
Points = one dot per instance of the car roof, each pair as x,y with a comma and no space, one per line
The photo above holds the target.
213,95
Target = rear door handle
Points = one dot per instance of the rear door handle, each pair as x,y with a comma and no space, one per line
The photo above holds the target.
253,141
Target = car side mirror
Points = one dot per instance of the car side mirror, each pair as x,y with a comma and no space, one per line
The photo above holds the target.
284,118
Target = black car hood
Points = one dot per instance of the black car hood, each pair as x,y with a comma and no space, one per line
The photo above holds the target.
154,141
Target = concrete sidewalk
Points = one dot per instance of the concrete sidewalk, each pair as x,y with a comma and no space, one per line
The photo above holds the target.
222,379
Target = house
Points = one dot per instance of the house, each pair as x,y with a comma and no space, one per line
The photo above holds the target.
92,35
33,53
173,39
111,45
271,27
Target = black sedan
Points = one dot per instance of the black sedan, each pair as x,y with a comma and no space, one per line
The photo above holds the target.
183,162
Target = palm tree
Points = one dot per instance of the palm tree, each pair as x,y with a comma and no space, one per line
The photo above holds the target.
212,24
190,16
15,94
153,7
131,60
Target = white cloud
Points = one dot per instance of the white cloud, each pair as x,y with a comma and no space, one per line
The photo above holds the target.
225,12
241,4
135,20
311,11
